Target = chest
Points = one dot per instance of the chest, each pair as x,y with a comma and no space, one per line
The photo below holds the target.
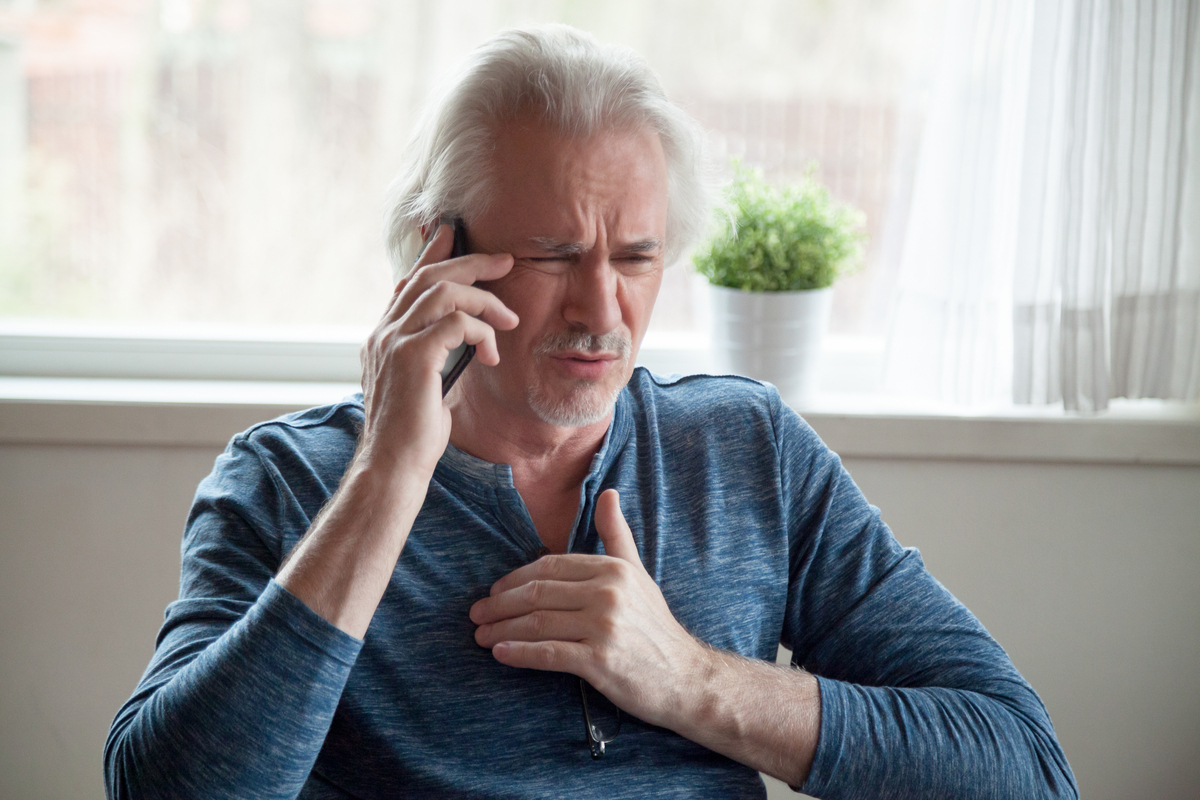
421,678
553,513
723,569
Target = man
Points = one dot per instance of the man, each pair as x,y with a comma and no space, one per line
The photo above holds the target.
398,596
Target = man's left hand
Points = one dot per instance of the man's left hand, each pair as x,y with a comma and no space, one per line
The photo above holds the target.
602,618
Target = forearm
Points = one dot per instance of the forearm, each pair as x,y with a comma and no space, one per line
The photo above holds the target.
933,742
759,714
342,566
244,718
917,700
894,742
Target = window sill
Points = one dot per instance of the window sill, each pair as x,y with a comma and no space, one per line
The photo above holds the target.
82,411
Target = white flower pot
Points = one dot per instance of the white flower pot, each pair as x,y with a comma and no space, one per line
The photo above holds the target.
771,336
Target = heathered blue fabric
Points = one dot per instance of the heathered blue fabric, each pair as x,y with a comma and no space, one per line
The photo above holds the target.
748,523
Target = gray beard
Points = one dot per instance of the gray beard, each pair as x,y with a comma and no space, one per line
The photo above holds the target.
576,410
588,404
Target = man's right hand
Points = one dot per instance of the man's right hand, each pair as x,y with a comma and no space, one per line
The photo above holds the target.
343,565
433,310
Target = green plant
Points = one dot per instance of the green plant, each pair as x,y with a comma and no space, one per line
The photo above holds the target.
781,238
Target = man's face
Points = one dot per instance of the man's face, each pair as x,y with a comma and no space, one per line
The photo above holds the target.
585,222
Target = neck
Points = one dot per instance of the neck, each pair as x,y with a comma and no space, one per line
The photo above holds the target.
549,457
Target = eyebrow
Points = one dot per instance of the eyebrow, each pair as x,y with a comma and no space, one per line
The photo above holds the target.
577,248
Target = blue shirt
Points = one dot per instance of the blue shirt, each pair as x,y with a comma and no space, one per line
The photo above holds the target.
752,529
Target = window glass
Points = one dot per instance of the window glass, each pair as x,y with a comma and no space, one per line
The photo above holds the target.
225,160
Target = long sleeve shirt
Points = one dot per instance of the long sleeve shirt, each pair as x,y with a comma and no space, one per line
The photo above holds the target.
751,527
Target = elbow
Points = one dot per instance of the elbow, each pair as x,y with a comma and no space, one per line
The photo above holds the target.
1056,781
123,777
1046,772
116,787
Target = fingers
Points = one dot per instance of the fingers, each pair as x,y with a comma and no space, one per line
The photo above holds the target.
573,567
548,656
434,265
536,595
438,298
613,530
461,272
445,297
561,612
466,270
614,533
435,309
459,328
539,609
437,248
536,626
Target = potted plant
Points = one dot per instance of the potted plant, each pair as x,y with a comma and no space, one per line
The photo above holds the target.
771,269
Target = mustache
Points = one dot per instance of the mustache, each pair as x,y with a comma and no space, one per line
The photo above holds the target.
614,341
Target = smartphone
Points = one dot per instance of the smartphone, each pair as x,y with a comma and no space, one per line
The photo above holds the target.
460,356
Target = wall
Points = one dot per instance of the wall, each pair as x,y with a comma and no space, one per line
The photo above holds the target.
89,556
1087,570
1089,576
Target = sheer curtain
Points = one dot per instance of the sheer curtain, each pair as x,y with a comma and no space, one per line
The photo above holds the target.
1053,249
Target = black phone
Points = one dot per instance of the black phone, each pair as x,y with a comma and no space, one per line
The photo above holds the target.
460,356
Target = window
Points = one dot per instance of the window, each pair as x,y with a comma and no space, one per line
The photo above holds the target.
222,161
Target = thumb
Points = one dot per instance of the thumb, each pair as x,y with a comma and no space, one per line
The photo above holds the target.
613,530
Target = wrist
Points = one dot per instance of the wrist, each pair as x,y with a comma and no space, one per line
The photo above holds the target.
696,705
760,714
689,700
344,563
389,490
391,470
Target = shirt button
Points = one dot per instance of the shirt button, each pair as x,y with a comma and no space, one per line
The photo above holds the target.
541,551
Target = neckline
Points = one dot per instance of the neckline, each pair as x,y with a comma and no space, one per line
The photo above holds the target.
476,476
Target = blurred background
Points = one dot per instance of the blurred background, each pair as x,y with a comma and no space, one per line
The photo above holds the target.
225,160
218,166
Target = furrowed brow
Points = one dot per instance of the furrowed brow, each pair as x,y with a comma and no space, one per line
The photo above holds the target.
646,246
556,247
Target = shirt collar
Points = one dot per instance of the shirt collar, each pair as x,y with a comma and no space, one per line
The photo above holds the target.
468,472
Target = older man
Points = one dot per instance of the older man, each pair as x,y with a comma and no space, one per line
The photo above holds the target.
568,577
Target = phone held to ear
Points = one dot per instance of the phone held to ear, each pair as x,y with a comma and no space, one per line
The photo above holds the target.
460,356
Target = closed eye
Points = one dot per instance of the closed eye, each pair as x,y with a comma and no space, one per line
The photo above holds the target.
635,263
548,264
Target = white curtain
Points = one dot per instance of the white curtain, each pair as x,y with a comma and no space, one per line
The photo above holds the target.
1053,248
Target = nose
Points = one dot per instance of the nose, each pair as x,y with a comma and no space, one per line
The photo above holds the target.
592,300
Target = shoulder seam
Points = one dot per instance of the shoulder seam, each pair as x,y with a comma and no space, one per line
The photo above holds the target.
283,421
659,380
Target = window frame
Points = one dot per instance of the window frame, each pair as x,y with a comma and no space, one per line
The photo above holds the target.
220,352
93,384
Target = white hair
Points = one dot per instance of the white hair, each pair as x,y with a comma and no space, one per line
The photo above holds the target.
566,79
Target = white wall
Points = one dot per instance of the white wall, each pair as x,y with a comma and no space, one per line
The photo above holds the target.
1088,572
1089,576
89,557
